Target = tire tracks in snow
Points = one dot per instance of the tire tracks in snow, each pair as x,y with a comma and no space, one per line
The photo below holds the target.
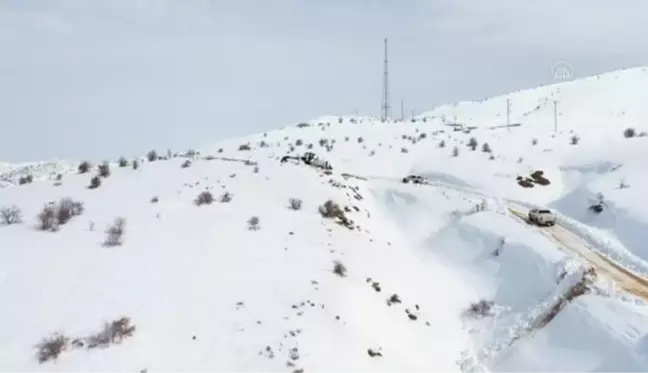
627,280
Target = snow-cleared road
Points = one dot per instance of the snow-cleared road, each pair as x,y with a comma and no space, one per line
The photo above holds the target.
569,241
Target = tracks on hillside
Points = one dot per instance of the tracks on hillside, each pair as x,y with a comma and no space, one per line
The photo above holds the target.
567,240
570,242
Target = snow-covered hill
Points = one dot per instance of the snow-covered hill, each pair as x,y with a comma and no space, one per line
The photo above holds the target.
209,287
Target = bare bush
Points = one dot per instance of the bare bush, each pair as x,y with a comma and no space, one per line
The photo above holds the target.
135,164
299,142
295,204
48,219
360,140
122,162
482,308
152,156
113,332
95,183
442,144
486,148
25,179
629,132
575,139
104,169
84,167
253,223
11,215
67,209
226,197
472,143
244,147
204,198
404,150
534,142
115,232
50,348
155,199
186,164
339,268
330,209
455,152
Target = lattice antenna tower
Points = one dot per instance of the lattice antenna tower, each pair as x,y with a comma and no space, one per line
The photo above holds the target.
385,107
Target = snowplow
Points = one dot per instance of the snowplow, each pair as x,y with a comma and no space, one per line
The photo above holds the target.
309,159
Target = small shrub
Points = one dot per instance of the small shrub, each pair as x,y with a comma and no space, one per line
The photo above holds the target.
303,125
84,167
50,348
482,308
186,164
309,146
67,209
346,138
575,139
11,215
95,182
330,210
253,223
486,148
243,147
323,142
339,268
226,197
59,177
204,198
394,299
404,150
155,199
152,156
534,142
629,132
123,162
135,164
113,332
25,179
115,232
104,169
472,143
442,144
455,152
360,140
295,204
299,142
48,219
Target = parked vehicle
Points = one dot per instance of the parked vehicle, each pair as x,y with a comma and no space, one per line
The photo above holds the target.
542,217
415,179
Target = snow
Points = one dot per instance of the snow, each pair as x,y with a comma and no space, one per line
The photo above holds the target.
250,296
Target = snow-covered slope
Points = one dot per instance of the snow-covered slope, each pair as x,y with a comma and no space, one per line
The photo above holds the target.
206,292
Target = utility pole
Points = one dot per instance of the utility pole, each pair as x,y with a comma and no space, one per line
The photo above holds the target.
555,116
385,94
508,114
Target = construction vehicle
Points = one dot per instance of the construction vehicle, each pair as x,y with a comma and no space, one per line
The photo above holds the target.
309,159
413,179
542,217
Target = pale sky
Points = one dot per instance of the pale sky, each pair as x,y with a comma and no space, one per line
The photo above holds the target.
100,78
